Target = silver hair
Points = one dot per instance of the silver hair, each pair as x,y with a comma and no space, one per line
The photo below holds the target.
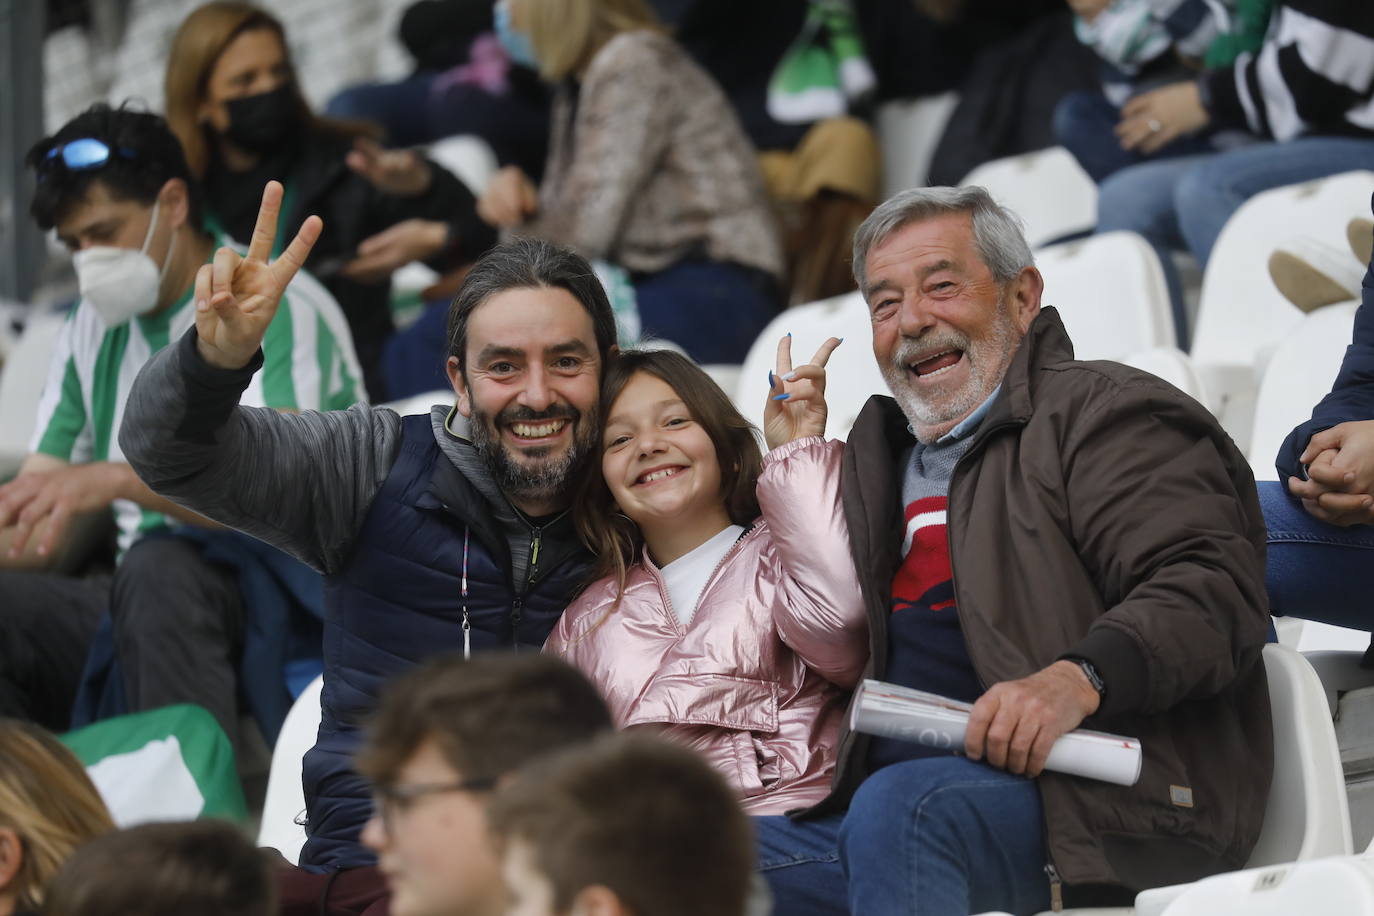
997,232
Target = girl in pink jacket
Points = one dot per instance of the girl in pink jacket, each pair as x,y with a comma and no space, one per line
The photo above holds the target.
728,615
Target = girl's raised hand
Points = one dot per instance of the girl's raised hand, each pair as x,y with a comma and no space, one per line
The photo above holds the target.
796,397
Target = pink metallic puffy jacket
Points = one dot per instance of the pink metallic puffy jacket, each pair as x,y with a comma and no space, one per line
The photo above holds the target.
759,679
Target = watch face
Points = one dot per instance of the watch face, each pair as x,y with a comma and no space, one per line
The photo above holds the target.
1090,672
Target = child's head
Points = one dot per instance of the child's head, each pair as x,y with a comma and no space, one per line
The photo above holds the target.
207,867
48,807
442,737
625,825
674,452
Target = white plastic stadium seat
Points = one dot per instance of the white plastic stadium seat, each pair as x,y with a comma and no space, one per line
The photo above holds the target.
1048,189
1307,815
1298,374
1341,886
469,157
851,377
420,403
1109,290
908,132
21,385
1241,314
285,801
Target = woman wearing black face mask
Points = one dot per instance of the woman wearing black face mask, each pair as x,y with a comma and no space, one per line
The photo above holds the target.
233,101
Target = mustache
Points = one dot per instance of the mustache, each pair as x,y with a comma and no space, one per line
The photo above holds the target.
912,349
521,414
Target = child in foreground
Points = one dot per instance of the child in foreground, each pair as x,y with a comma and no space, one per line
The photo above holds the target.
728,614
628,825
206,867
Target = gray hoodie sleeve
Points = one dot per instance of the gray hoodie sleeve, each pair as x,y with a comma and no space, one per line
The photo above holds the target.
302,482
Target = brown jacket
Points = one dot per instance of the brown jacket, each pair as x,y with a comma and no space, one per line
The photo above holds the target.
649,166
1100,513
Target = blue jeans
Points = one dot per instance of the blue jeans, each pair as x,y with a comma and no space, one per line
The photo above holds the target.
936,836
1315,570
712,309
413,359
1085,124
1183,203
401,108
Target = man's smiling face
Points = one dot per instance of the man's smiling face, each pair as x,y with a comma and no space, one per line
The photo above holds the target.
944,329
530,388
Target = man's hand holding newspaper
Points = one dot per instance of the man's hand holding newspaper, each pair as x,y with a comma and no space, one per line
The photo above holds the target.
935,721
1015,723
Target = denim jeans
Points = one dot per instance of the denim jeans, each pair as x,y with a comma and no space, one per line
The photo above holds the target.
936,836
712,309
1315,570
1085,124
1183,203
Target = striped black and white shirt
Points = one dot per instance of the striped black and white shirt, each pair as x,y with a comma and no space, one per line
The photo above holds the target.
1314,74
309,364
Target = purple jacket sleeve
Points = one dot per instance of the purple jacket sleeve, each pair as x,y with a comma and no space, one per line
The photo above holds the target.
819,612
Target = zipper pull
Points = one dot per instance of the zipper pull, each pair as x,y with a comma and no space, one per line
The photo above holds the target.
1056,888
516,612
467,635
534,553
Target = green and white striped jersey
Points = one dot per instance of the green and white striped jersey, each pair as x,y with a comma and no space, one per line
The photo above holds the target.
308,364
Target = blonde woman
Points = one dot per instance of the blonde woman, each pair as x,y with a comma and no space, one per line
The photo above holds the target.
648,169
48,807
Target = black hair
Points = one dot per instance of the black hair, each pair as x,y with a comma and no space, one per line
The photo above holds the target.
522,263
145,155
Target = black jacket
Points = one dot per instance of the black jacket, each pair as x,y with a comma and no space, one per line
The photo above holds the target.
1351,398
318,182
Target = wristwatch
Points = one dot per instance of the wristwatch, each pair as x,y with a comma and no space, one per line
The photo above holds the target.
1090,672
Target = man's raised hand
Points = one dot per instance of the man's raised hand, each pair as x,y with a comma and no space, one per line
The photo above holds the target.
237,296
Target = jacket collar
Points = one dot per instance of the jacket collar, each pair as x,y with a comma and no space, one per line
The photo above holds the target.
1046,343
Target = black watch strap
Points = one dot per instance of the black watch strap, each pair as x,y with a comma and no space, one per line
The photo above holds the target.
1090,672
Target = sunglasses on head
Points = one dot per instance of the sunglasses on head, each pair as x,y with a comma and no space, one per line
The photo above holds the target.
83,155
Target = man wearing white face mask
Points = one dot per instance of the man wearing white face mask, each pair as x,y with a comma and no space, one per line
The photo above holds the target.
115,186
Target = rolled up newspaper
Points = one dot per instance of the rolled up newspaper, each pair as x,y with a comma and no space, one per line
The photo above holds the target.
891,711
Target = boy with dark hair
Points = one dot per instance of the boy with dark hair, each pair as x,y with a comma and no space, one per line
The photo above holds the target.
115,185
443,736
625,826
132,154
204,867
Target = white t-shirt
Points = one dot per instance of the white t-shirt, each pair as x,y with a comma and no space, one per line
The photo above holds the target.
686,576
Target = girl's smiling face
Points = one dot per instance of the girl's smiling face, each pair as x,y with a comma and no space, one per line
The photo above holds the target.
660,464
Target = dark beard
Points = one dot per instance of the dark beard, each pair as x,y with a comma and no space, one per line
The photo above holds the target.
546,479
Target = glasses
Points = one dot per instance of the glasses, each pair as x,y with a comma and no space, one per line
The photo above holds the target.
84,154
390,801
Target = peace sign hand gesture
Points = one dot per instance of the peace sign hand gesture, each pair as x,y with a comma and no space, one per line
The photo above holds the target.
796,397
237,296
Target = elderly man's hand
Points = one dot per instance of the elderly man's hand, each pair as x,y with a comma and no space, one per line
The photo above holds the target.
1015,723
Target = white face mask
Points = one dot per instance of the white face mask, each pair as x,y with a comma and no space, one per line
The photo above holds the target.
120,283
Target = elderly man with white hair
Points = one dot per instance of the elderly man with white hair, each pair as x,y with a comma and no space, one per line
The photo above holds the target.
1060,543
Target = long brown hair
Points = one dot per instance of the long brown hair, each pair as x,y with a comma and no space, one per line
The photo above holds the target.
611,536
566,34
49,801
200,40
